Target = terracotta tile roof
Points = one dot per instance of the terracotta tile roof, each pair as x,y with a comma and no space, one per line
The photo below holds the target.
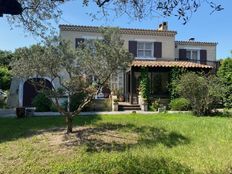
133,31
195,43
169,64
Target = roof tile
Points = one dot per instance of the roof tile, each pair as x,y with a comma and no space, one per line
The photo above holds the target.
134,31
169,64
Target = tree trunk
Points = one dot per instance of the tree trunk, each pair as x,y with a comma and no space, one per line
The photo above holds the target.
69,122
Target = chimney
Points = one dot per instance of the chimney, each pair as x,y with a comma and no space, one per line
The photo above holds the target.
163,26
192,39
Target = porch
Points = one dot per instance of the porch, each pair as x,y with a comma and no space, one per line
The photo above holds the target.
159,77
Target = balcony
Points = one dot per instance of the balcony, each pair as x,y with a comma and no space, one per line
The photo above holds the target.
214,64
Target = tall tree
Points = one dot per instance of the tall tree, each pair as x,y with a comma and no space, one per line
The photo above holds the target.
225,73
71,68
37,15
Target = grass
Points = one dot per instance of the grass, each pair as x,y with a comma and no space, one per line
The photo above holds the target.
117,144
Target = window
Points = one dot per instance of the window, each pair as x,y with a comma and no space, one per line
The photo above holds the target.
192,54
145,49
116,81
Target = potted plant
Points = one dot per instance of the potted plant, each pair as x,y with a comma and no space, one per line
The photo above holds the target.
121,98
115,105
20,112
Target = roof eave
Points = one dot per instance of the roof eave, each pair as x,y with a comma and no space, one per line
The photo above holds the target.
131,31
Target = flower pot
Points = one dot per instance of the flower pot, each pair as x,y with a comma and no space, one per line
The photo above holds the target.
20,112
121,98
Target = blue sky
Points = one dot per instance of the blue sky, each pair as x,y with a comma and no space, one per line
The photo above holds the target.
202,26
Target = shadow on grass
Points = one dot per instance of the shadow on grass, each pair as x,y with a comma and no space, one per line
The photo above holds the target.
13,128
119,137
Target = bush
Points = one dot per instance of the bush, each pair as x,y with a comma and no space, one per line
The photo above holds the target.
53,108
75,101
204,93
154,105
179,104
42,103
5,78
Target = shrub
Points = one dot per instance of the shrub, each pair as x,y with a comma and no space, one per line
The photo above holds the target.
175,74
75,101
5,78
42,103
204,93
154,105
179,104
53,108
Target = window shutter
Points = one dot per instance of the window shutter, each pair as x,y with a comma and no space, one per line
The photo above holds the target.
203,56
182,54
78,41
158,49
133,48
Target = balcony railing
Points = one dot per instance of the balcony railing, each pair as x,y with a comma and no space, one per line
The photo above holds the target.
214,64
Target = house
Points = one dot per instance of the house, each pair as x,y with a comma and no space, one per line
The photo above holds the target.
155,49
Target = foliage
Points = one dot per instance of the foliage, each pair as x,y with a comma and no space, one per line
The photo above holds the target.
179,104
75,101
116,101
225,73
154,105
42,139
204,93
53,108
38,16
174,77
5,78
5,58
3,104
42,103
73,68
144,84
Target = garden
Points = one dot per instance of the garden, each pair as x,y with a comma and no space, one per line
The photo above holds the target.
133,143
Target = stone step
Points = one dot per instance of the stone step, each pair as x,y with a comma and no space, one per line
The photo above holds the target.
129,108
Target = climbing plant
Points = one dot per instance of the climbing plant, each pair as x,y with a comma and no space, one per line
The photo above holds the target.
144,84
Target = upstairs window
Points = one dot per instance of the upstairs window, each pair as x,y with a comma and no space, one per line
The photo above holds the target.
192,54
145,49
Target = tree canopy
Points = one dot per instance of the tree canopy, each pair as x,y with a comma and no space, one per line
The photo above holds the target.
225,73
38,15
73,68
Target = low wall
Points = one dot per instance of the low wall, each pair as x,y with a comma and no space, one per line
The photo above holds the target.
99,105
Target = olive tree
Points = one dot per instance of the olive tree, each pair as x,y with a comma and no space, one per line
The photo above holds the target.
37,16
71,67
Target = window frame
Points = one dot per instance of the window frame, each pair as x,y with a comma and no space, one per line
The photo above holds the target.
144,50
191,54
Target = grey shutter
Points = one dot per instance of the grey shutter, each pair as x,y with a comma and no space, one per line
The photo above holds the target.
182,54
133,48
158,49
203,56
78,41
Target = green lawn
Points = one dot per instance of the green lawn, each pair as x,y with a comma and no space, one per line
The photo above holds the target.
117,144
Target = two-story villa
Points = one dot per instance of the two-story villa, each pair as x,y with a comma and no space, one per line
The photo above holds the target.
155,49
